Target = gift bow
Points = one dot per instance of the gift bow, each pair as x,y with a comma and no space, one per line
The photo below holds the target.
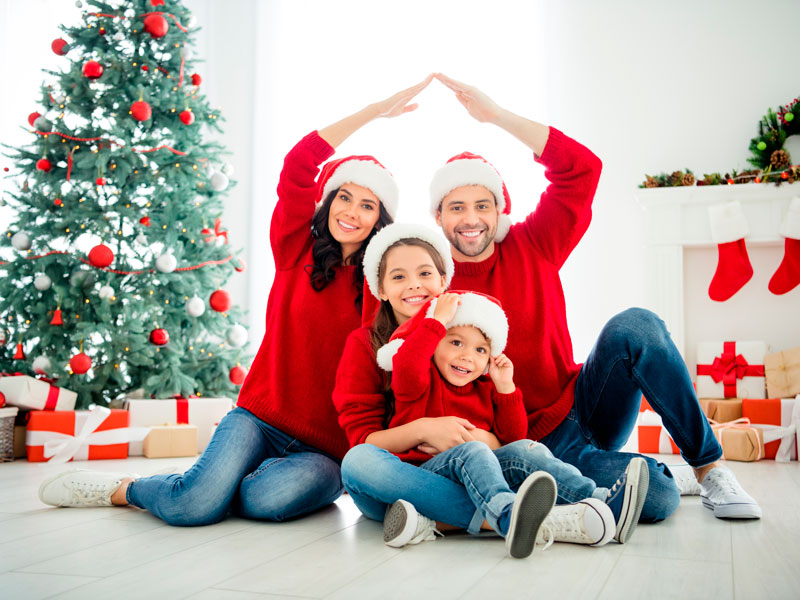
728,367
62,447
216,233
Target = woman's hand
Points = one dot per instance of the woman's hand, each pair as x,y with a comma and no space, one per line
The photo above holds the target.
478,105
399,103
446,307
501,370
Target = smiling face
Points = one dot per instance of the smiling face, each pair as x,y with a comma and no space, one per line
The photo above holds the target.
462,355
354,211
468,217
409,277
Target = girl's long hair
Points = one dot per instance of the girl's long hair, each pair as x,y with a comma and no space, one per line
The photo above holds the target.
385,322
327,252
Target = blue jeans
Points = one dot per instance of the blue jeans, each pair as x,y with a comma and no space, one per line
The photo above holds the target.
375,478
633,355
249,467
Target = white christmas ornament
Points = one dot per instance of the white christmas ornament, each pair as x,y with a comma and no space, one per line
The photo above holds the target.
219,181
42,282
227,168
166,263
41,365
21,241
195,306
42,124
236,336
60,98
140,239
106,292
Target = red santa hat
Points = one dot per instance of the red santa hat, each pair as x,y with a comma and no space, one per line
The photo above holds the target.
470,169
475,309
365,171
395,232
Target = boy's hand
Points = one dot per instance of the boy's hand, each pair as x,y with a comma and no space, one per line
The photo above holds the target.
446,307
501,370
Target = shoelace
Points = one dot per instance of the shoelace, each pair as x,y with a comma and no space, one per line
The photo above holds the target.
90,492
727,485
547,535
563,525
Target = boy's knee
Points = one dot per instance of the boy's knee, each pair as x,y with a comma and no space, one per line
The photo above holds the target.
663,495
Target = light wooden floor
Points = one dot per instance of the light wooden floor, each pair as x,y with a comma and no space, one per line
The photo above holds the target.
120,553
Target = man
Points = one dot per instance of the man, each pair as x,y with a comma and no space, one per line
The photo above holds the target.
583,413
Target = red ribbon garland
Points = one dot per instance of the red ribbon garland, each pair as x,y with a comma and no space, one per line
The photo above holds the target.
728,367
69,164
109,142
83,260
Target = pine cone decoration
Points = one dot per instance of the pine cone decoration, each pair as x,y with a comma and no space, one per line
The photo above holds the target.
688,179
650,182
675,178
779,159
747,176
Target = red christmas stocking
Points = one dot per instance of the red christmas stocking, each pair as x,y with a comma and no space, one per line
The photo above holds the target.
728,230
787,277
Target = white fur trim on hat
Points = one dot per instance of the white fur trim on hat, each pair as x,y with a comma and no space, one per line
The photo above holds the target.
386,353
466,171
790,227
503,227
368,174
727,222
398,231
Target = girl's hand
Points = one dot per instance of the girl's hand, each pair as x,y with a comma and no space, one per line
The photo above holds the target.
501,370
427,449
442,433
478,105
446,307
399,103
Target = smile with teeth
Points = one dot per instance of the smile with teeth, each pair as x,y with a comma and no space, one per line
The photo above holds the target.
471,233
415,299
346,226
460,370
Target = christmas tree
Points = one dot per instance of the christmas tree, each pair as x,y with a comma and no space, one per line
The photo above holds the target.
112,272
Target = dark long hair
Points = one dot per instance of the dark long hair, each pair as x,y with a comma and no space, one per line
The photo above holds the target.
327,252
385,322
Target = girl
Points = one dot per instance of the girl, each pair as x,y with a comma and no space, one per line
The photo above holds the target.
277,455
405,266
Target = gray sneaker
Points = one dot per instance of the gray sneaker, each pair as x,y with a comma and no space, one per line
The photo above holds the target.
403,525
723,494
81,488
534,501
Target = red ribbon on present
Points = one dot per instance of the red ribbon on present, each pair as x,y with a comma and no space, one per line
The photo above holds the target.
182,409
213,235
52,393
728,367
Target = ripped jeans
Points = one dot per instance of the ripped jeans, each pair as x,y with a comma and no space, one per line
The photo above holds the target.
375,478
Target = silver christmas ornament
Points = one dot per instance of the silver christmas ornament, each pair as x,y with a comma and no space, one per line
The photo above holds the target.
166,263
236,336
42,124
106,292
195,307
21,241
41,365
42,282
219,181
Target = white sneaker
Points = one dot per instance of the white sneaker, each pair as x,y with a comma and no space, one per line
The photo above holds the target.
723,493
589,521
403,525
534,501
685,480
80,488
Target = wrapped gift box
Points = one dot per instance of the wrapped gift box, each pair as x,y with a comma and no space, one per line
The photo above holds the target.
731,370
60,436
652,437
721,410
170,441
775,417
741,442
35,394
783,373
202,412
19,441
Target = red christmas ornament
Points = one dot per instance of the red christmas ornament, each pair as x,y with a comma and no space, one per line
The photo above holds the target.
196,79
187,117
80,363
141,111
58,202
101,256
56,320
59,46
157,2
220,301
237,375
19,354
145,221
2,400
156,26
784,175
145,68
100,181
43,165
159,337
241,266
102,31
92,69
33,116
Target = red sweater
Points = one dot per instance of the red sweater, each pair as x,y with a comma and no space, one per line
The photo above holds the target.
290,382
523,273
421,391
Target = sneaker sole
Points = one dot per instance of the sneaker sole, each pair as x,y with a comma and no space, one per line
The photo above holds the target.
638,482
397,527
534,501
733,511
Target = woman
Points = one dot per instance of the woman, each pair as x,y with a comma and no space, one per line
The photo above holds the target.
277,455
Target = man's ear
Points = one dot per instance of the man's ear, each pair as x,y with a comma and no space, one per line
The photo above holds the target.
439,216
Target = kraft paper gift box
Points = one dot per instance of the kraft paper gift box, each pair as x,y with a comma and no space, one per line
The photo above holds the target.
652,437
34,394
170,441
783,373
721,410
731,370
778,420
202,412
61,436
739,440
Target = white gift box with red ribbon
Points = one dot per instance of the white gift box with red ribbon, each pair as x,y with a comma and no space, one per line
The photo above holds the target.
203,412
35,394
731,370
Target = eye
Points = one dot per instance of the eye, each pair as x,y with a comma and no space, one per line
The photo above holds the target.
425,274
456,343
368,206
344,197
483,206
397,277
481,350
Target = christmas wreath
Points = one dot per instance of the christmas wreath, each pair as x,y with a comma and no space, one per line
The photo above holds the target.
778,135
